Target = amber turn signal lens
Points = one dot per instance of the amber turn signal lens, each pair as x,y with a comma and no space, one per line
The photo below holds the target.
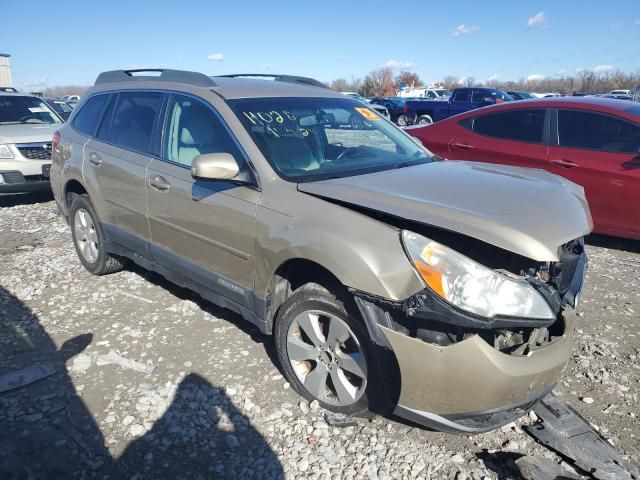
431,276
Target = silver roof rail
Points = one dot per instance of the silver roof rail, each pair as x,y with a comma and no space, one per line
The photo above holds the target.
279,78
165,75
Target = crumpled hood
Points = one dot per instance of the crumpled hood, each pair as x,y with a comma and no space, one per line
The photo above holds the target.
28,133
526,211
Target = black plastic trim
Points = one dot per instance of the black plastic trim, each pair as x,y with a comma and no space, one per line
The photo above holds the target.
472,422
207,284
429,306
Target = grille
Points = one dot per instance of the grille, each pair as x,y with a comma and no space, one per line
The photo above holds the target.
41,151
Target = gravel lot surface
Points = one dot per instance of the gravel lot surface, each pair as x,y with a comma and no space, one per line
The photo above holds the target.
216,405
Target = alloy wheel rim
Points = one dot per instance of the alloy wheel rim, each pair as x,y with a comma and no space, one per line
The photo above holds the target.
327,358
86,235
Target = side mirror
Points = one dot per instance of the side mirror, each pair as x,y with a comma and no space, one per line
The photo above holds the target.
215,166
490,100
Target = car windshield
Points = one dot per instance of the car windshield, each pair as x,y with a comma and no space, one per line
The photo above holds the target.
17,110
310,139
443,92
60,106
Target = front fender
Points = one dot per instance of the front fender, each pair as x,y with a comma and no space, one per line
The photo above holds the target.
361,252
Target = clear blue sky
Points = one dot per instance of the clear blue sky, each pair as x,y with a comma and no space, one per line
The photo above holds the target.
70,42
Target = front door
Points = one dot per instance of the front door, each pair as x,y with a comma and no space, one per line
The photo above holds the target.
510,137
202,229
600,152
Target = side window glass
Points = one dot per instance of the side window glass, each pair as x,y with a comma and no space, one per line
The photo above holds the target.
104,130
467,123
462,96
134,120
517,125
86,120
597,132
193,129
479,96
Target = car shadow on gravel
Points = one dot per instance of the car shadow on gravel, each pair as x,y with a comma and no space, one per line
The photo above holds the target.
48,432
211,308
616,243
14,199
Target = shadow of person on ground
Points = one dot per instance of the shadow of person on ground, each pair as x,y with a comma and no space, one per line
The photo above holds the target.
47,431
211,308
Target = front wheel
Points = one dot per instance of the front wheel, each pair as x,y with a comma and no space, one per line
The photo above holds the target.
402,120
425,120
325,351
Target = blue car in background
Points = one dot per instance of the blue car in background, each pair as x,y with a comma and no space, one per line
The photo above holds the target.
395,107
425,112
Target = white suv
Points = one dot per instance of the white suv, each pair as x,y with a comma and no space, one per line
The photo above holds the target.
27,125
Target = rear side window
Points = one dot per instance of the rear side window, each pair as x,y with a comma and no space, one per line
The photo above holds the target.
192,129
517,125
462,96
86,120
593,131
104,130
134,120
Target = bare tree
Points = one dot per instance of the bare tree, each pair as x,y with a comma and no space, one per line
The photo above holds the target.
381,82
469,81
451,81
378,83
410,79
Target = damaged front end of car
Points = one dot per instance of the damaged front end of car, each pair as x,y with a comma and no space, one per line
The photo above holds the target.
487,337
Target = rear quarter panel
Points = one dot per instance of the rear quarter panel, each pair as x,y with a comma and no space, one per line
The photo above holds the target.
66,164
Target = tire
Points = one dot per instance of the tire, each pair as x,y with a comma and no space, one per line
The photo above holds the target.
424,120
350,392
89,240
402,121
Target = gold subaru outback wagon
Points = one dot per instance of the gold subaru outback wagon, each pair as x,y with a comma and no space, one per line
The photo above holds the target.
391,280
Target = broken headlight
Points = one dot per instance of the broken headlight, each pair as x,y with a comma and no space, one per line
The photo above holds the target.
471,286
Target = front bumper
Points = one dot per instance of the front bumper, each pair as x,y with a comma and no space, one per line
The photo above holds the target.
453,371
15,182
470,387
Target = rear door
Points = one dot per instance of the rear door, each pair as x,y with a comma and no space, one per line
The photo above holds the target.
601,153
202,229
512,137
116,160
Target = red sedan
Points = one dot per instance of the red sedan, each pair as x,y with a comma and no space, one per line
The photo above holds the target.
594,142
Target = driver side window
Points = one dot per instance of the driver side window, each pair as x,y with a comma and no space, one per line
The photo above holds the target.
192,129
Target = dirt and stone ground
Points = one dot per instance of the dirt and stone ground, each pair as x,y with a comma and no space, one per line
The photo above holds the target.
216,405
